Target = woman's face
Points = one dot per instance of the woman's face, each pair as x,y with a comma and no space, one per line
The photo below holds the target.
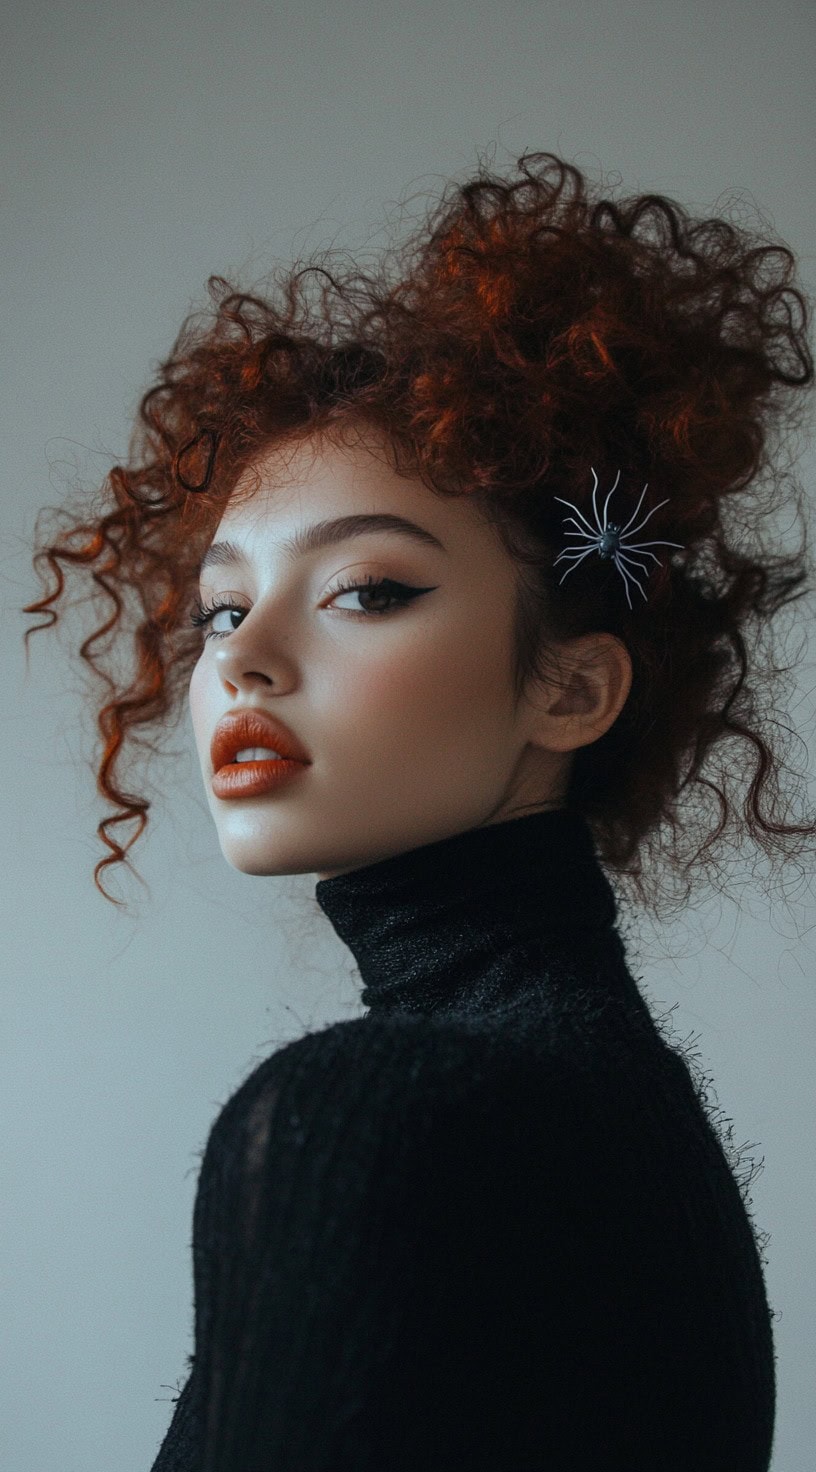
407,714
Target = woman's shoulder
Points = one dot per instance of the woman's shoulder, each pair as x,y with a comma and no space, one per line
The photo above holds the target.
405,1118
401,1076
360,1067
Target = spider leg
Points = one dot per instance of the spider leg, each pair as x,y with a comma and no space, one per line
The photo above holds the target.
625,529
646,518
624,550
573,552
628,599
581,531
658,543
630,562
592,530
622,569
608,499
590,544
594,507
574,565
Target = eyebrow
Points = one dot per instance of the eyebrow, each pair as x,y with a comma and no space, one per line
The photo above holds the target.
325,534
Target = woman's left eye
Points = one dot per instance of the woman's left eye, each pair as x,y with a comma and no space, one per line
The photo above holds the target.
383,588
397,595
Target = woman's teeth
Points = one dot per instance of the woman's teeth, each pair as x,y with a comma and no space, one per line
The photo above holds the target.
256,754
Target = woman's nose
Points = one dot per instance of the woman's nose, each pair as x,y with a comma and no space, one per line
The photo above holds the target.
247,659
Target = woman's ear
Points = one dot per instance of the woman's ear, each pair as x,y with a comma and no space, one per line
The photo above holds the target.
586,696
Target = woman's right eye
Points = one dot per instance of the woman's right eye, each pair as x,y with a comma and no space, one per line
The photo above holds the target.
204,614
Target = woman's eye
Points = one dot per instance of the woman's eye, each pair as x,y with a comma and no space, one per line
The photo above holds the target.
382,595
379,591
204,614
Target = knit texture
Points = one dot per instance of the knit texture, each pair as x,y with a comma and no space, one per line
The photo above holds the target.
488,1226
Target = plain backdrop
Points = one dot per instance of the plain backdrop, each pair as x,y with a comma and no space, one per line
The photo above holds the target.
145,147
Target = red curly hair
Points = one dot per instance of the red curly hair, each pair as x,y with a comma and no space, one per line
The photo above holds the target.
529,330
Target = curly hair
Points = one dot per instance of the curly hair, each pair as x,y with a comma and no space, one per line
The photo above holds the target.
528,331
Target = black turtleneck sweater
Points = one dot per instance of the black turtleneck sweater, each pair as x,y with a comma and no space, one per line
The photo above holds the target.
489,1225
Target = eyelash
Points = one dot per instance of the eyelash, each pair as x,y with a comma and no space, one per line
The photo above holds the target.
400,593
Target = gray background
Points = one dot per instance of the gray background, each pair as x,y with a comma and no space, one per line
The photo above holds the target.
145,147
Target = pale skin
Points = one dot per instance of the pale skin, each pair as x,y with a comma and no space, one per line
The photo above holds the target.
408,715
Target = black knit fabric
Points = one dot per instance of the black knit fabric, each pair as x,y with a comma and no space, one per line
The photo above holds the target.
489,1226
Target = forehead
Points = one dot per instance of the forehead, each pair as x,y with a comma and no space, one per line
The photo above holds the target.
348,473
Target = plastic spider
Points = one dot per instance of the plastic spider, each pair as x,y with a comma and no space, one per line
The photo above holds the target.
607,539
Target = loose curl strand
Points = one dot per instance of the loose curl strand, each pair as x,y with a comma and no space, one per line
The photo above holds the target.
528,330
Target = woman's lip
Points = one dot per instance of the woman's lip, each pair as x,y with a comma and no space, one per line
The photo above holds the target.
247,727
252,778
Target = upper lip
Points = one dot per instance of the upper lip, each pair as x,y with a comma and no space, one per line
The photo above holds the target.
251,727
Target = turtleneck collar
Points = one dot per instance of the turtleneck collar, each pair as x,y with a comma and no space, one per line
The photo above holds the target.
430,928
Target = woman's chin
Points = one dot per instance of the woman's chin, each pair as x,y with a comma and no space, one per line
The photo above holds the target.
264,860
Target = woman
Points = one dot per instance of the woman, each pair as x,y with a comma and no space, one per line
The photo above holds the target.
476,592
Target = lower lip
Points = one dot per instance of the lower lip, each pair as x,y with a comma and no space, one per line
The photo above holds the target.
250,779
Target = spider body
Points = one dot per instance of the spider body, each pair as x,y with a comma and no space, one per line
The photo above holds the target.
609,542
608,539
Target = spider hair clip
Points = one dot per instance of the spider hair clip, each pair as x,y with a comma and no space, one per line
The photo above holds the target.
607,539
